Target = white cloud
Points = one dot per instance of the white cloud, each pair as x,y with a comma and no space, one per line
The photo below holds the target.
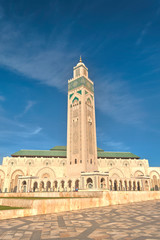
47,62
147,26
29,105
36,131
114,99
2,98
143,33
9,134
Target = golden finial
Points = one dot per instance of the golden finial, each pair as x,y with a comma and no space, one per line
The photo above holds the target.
80,60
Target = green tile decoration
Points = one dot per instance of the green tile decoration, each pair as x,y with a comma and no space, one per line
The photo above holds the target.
61,151
79,82
80,92
71,95
75,99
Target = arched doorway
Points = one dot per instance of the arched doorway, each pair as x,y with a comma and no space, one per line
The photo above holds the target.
35,186
24,186
62,185
48,186
120,185
115,185
77,185
138,186
110,185
41,186
125,185
14,180
146,188
155,183
103,184
89,183
134,186
55,186
69,185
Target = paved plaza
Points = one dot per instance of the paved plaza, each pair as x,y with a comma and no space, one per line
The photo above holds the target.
130,221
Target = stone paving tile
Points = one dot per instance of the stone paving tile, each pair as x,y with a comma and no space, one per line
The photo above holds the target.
136,221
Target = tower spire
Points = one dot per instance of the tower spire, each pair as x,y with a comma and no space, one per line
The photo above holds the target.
81,127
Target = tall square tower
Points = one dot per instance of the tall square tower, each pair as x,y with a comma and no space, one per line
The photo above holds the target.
81,125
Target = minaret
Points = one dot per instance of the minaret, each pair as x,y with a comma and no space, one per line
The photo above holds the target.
81,126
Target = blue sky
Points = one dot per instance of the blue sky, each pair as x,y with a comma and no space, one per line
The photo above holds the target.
119,41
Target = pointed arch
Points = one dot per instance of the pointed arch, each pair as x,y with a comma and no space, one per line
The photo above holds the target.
89,102
75,99
154,172
115,172
2,174
18,172
14,179
46,171
2,177
138,173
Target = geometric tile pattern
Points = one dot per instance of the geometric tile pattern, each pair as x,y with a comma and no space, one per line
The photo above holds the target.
138,221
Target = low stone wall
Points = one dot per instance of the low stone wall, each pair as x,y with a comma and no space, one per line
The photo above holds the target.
23,203
55,194
122,197
69,204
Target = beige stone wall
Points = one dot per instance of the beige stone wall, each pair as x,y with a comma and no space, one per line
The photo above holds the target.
52,170
69,204
124,168
42,168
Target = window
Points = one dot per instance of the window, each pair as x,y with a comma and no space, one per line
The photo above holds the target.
46,163
80,161
126,164
90,161
75,161
110,164
12,163
77,72
29,163
70,163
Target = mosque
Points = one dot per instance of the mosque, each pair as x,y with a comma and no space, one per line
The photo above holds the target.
81,165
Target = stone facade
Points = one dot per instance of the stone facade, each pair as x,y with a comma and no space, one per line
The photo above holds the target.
81,165
50,174
81,128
